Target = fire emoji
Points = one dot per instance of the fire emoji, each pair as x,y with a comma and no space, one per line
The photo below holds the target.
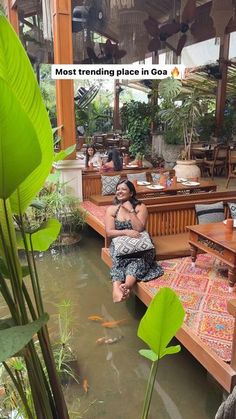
175,72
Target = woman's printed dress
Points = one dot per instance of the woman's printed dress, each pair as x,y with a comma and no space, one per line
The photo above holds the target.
143,266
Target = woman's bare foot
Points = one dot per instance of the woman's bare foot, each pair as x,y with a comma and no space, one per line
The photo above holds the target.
120,292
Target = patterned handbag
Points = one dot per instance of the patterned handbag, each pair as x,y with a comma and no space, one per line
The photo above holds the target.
125,245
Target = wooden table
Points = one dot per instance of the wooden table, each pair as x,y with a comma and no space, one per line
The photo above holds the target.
206,186
217,240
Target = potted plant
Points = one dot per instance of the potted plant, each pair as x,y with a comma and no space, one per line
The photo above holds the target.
181,112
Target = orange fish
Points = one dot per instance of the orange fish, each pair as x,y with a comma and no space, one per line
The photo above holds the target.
99,341
85,385
95,318
113,323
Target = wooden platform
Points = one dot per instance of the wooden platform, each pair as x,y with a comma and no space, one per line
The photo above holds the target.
224,373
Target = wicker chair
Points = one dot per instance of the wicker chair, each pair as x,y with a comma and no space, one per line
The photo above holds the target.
219,163
232,166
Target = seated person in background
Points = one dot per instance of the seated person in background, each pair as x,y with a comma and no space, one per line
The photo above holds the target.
114,161
92,157
128,217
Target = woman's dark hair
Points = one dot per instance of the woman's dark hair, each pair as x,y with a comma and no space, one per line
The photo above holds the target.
87,154
134,201
114,156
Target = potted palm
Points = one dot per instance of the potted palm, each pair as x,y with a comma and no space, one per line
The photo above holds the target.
181,112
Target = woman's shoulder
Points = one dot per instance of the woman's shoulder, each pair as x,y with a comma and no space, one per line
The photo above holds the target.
111,210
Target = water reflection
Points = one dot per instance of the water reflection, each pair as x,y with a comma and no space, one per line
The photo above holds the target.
116,374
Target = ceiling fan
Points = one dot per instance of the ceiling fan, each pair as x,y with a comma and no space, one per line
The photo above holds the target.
109,54
92,15
192,20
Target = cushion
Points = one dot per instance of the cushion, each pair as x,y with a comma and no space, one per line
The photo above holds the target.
210,213
232,207
109,184
138,176
156,177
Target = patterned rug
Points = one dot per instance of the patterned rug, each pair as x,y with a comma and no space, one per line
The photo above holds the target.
203,291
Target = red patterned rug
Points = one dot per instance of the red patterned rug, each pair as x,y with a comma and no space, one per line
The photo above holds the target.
203,291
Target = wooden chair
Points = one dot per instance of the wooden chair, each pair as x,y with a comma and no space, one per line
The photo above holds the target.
232,166
219,161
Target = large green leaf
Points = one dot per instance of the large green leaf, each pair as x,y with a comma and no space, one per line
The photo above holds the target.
17,72
20,153
161,321
13,339
43,237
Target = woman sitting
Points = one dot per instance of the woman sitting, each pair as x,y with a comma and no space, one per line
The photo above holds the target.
114,161
92,157
128,217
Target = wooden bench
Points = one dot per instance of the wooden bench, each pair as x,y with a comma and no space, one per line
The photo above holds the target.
91,179
168,218
145,194
167,223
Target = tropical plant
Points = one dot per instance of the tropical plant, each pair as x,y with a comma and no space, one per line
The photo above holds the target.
136,120
158,326
53,202
180,111
25,161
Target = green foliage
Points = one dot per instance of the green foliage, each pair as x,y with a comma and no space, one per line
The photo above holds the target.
170,88
158,326
26,147
180,118
14,338
206,126
42,238
172,136
17,74
136,118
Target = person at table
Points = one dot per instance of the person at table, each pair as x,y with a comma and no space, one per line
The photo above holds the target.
113,162
92,157
128,217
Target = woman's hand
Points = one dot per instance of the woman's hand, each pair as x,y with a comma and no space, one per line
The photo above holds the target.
132,233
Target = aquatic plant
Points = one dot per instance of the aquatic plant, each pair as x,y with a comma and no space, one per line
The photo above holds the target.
26,155
158,326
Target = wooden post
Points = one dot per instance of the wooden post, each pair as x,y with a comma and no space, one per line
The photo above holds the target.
116,116
222,84
63,54
13,14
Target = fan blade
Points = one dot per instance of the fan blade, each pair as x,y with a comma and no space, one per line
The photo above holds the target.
119,53
152,26
170,29
202,30
91,54
189,11
154,45
181,44
231,27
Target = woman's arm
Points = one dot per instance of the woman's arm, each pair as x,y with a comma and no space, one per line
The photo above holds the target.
138,217
110,225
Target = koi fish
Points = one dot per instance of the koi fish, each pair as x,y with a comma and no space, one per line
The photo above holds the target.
85,385
110,341
95,318
113,323
99,341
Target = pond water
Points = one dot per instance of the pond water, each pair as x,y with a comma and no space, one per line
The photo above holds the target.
116,373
